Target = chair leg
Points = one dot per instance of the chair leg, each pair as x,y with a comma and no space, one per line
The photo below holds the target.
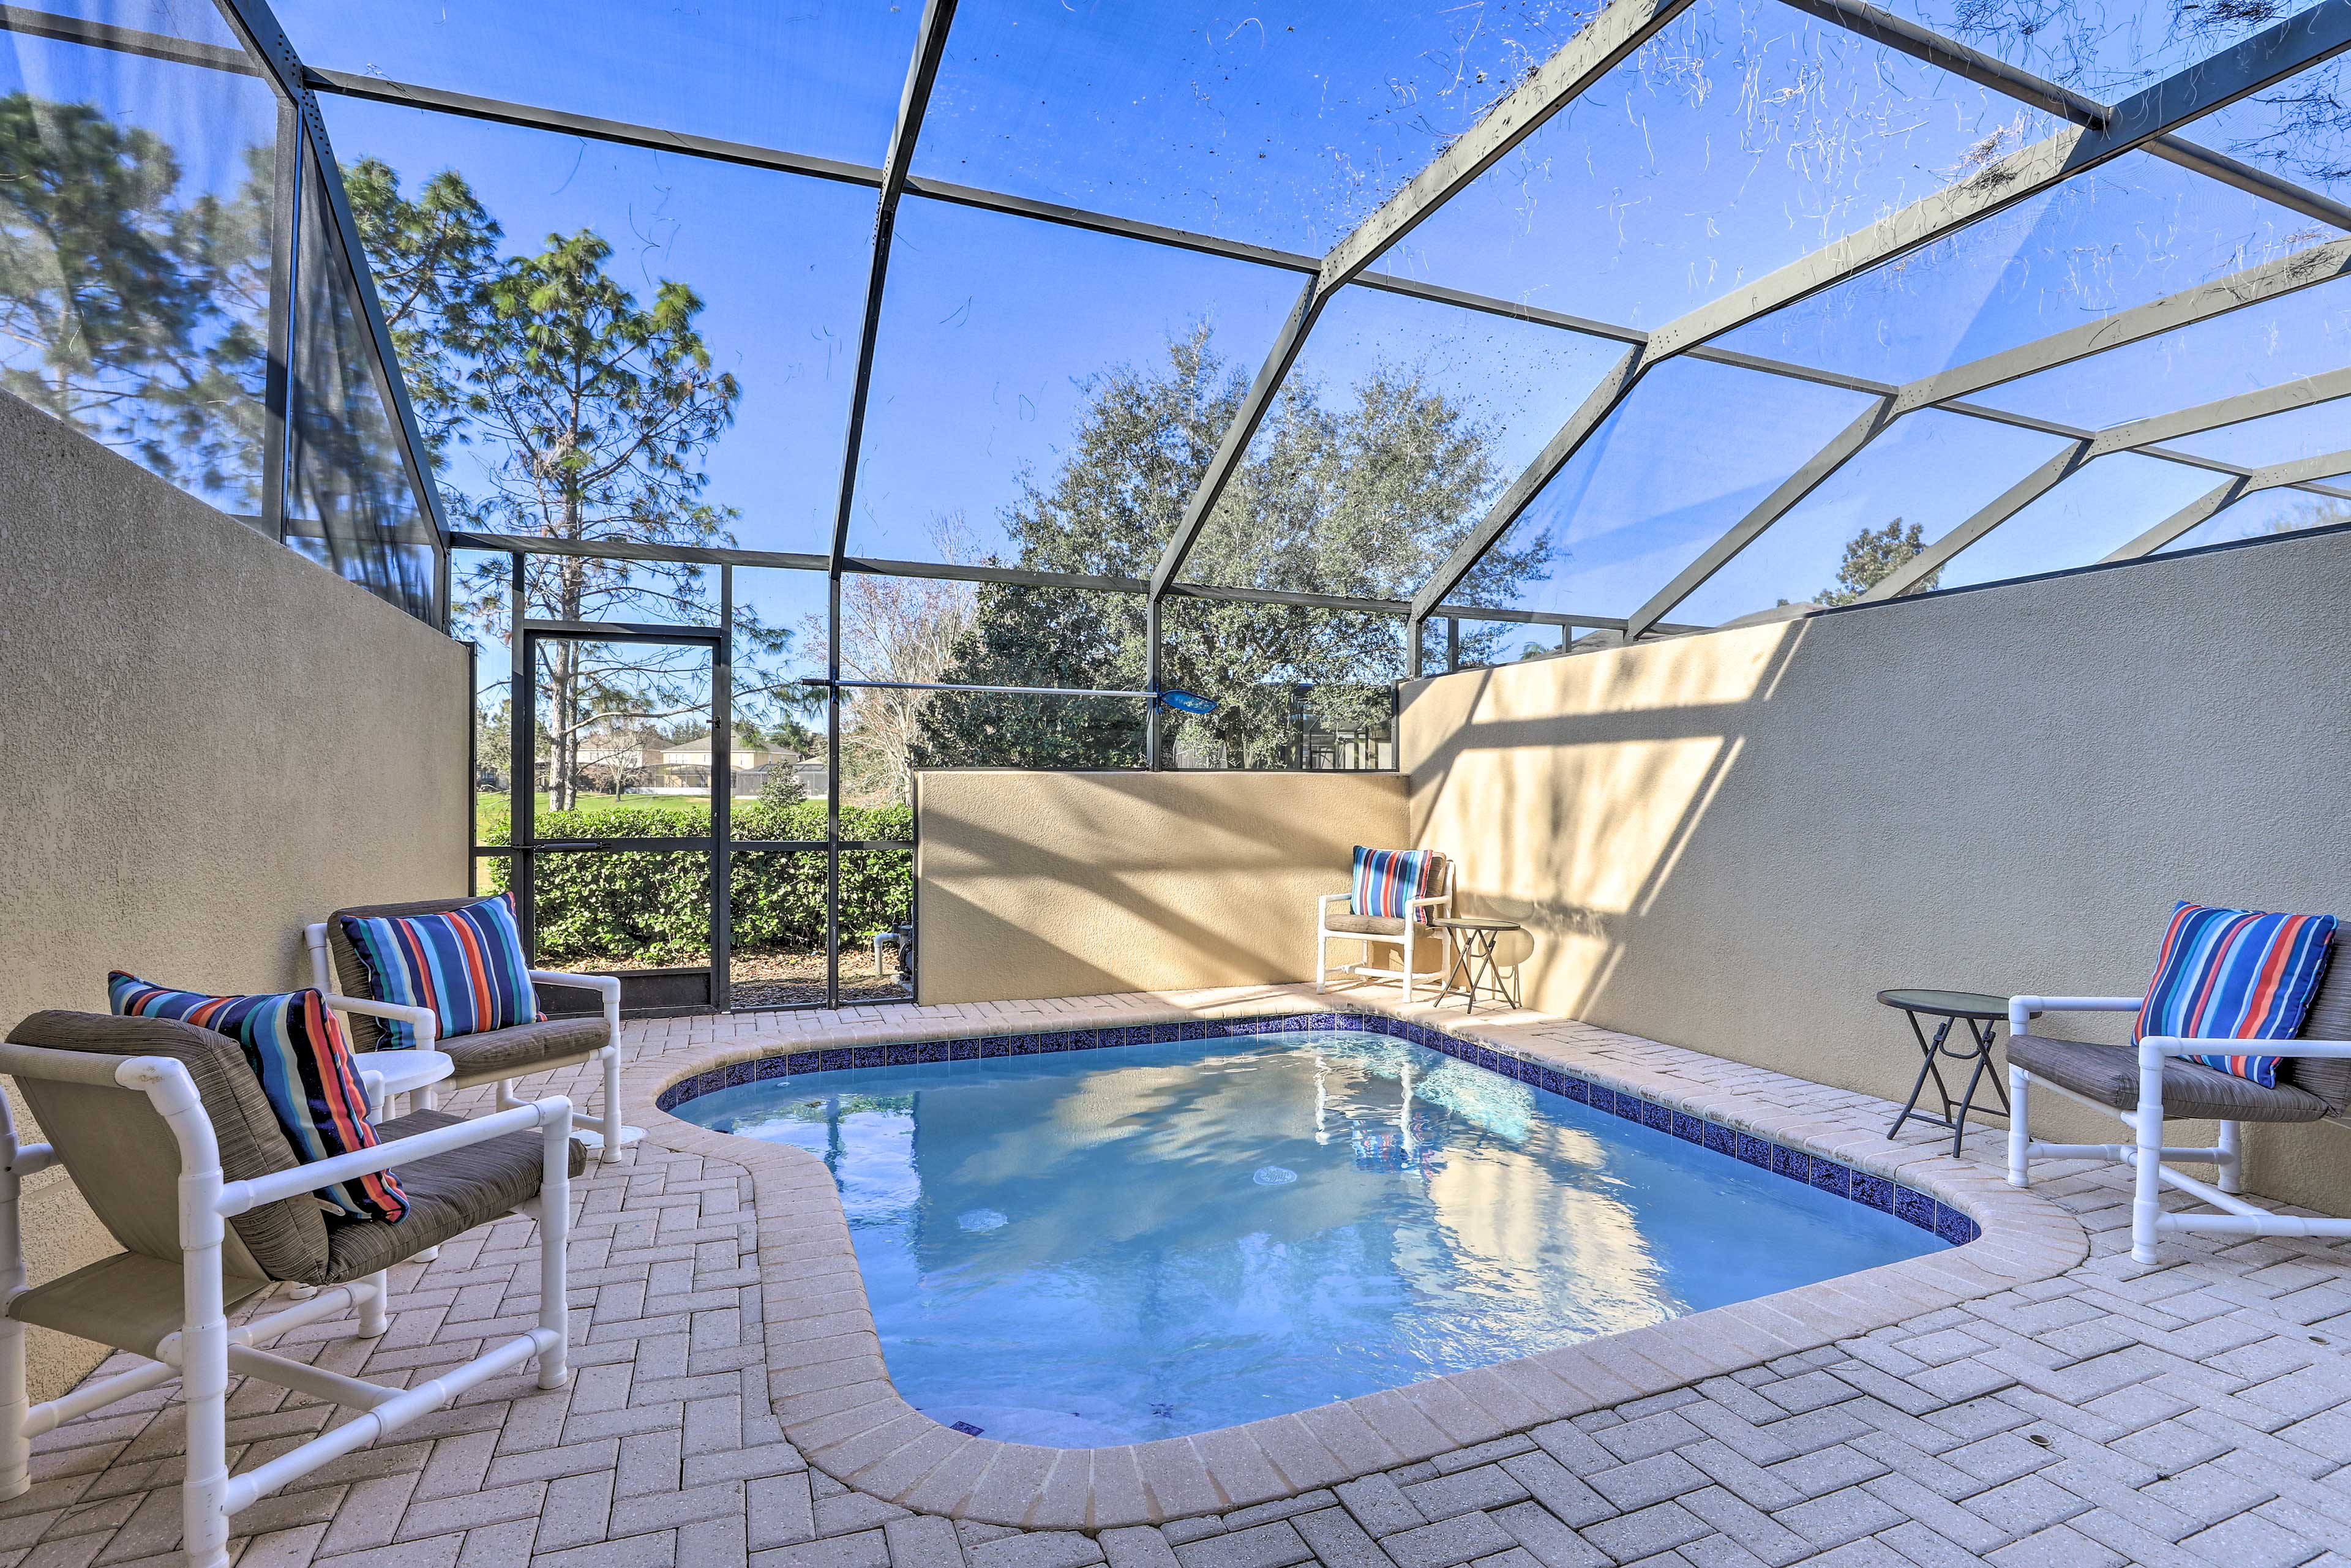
554,1248
2020,1136
2231,1163
375,1312
1321,963
1408,958
2147,1206
16,1449
615,1131
203,1390
506,1099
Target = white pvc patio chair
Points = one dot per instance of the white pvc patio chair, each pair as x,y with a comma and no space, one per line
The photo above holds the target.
2145,1085
165,1132
1410,933
500,1055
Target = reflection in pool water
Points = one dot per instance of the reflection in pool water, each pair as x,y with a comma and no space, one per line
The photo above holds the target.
1141,1241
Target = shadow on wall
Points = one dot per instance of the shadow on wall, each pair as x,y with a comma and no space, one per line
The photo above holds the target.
1043,885
1572,823
1731,842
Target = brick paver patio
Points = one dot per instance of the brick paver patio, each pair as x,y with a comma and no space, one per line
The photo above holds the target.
2189,1414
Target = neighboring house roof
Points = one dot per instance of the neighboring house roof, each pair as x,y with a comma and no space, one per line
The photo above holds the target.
696,754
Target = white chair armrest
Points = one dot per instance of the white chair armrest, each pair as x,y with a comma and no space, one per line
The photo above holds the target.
2022,1008
427,1025
2155,1046
240,1197
602,985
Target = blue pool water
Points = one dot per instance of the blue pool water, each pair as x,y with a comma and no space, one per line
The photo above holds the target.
1137,1242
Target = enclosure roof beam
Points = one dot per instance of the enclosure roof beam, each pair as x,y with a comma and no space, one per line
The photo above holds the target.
2270,280
2135,436
126,40
1848,443
2269,56
2006,505
2216,501
1989,70
1017,576
2276,52
2253,182
257,26
74,29
2307,392
1600,46
914,102
1597,49
1840,450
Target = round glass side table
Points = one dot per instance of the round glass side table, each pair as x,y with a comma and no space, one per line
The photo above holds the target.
1982,1014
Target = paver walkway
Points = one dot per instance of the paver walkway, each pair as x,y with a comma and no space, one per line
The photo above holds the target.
2192,1413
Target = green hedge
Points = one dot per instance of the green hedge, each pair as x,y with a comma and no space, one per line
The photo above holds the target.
653,907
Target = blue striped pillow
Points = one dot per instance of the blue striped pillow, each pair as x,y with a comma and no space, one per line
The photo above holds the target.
467,966
2235,974
1387,880
295,1045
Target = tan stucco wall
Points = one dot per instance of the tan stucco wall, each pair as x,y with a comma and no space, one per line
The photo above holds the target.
1065,884
209,742
1734,840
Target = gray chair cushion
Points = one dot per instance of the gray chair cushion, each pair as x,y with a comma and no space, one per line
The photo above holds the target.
448,1195
351,970
1365,925
526,1048
2329,1017
287,1240
2109,1075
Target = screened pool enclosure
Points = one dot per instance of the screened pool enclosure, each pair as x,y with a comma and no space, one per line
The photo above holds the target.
733,376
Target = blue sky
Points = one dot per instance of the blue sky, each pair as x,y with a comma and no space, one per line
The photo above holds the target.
1744,137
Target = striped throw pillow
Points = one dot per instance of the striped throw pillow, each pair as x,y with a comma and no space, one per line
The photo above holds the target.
1387,880
295,1045
467,966
2236,973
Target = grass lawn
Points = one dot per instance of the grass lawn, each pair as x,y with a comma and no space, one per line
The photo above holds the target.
490,810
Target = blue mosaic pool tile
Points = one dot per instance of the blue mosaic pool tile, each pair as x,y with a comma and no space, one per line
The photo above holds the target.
1658,1116
1914,1207
1722,1140
1688,1128
1631,1107
1830,1176
1599,1098
1578,1090
1954,1227
935,1050
1873,1191
1794,1164
1754,1151
964,1050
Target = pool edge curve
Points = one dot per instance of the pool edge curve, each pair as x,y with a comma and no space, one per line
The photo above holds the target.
831,1393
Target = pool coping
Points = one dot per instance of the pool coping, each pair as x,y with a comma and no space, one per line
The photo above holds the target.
832,1395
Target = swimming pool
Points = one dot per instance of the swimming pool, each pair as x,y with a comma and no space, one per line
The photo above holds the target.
1097,1239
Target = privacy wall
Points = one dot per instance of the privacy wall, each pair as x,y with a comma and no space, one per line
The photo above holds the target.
1731,842
210,742
1069,884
